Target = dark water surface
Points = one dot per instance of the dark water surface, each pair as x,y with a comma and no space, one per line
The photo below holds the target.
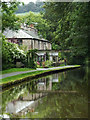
61,95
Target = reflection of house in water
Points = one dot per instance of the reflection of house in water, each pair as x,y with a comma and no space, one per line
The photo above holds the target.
27,104
42,84
17,106
30,101
55,78
45,85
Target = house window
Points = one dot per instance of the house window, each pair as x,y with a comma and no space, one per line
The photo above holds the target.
19,41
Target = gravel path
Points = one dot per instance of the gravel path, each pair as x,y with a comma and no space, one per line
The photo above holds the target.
17,73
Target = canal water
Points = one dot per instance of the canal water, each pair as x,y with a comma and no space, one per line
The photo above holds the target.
60,95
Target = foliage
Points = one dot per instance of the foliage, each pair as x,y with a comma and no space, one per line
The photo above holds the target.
48,63
47,55
40,24
60,55
65,24
69,25
37,64
9,20
11,54
23,47
55,46
31,58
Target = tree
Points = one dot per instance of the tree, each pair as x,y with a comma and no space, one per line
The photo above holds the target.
9,19
42,26
70,28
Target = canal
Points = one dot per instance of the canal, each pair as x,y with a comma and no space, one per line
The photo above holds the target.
60,95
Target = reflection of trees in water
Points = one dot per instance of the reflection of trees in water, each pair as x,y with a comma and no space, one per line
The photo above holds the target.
72,80
47,82
62,105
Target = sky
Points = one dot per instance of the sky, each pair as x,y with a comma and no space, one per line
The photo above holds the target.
25,1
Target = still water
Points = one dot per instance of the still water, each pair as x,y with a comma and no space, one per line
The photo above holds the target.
61,95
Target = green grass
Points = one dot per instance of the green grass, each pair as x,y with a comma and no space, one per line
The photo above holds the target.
21,76
15,70
21,69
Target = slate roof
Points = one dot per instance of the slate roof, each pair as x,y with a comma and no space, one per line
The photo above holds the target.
22,33
35,35
31,33
16,34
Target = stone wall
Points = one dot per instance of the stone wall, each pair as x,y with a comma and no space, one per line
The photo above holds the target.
27,42
36,44
32,44
49,46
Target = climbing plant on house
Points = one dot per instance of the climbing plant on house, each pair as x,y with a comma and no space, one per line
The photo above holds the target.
47,55
31,58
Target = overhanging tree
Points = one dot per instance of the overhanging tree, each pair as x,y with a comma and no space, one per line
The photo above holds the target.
9,19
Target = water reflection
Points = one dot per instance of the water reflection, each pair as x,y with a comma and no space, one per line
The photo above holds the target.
55,96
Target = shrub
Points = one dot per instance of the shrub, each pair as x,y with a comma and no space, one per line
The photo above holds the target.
48,63
11,54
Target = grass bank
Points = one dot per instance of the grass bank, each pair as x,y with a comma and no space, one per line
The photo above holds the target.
8,81
16,70
21,69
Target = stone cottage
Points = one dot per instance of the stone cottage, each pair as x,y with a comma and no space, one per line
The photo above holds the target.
28,37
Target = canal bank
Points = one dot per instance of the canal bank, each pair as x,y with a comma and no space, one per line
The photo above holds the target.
17,79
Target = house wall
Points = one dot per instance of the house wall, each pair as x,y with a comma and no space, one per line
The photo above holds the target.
40,45
44,45
13,40
32,44
49,46
27,42
36,44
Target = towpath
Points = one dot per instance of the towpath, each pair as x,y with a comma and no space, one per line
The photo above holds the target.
38,69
